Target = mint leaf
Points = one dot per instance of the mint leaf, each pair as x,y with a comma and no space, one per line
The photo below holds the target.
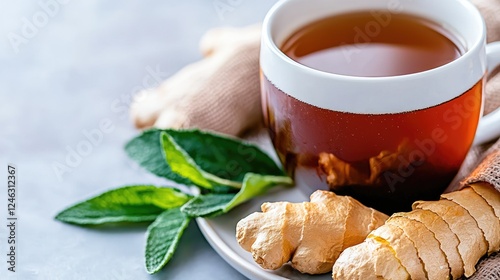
207,205
255,185
216,204
224,157
163,235
146,150
181,163
126,204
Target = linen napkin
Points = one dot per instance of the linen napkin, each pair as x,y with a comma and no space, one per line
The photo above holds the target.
222,93
219,93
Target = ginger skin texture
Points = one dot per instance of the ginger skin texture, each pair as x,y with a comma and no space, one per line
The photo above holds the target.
311,235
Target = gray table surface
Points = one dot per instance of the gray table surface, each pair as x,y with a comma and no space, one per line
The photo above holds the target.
78,65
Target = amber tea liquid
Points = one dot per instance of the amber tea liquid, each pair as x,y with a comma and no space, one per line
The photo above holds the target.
372,44
386,161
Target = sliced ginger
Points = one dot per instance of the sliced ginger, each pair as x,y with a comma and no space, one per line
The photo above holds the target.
448,239
472,245
482,213
428,247
369,260
489,194
437,240
310,234
403,247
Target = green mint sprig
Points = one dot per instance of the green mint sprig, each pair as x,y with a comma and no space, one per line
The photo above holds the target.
227,172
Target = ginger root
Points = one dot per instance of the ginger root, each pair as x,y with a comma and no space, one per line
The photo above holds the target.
310,234
449,237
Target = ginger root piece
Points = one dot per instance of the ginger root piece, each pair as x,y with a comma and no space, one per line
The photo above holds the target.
437,240
356,222
403,247
317,255
448,239
369,260
472,245
481,212
489,194
309,234
428,247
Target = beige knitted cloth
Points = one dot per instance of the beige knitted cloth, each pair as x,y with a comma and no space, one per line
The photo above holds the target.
222,93
219,93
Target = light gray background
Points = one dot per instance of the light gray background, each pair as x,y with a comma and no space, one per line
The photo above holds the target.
81,66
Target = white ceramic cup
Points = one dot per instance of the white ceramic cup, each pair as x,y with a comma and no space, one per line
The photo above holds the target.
283,77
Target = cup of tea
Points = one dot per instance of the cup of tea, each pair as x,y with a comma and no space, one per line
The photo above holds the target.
380,100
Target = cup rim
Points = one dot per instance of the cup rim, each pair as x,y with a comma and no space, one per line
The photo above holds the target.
270,43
